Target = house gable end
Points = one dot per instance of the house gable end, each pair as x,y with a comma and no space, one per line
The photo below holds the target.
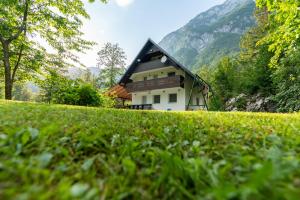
143,63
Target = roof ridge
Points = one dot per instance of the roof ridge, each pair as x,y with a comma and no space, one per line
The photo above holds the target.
130,68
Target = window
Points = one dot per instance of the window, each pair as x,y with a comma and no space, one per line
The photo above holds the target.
172,98
170,74
197,101
144,100
156,99
145,78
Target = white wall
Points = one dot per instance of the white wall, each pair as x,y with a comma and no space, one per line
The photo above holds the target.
164,99
183,94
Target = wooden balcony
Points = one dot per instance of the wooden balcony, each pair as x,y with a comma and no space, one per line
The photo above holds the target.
155,84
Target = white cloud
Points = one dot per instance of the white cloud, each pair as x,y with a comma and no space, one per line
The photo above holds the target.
124,3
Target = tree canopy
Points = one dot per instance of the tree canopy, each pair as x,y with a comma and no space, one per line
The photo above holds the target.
284,23
111,60
29,27
268,65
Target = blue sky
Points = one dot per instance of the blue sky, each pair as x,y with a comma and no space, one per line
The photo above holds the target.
131,22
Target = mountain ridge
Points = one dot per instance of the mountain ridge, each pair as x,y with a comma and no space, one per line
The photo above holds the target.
211,34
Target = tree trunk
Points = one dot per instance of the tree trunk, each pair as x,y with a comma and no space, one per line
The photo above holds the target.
7,71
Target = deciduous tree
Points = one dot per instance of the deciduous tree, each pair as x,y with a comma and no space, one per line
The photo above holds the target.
26,24
283,25
111,60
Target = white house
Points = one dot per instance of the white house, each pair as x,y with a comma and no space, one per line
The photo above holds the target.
157,81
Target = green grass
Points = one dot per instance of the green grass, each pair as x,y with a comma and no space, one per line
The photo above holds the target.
64,152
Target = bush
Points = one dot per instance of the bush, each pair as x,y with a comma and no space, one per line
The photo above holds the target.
78,94
107,101
241,103
216,103
88,96
61,90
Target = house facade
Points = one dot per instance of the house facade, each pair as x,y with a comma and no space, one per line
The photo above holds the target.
157,81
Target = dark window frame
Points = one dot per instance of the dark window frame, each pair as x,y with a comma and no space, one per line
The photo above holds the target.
154,99
174,99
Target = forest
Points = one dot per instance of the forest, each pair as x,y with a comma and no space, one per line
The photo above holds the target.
267,67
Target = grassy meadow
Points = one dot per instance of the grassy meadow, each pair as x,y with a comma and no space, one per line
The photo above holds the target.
67,152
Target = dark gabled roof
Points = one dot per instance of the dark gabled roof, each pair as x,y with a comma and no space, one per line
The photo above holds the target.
149,45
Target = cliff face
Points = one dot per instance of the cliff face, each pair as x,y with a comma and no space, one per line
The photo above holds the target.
211,34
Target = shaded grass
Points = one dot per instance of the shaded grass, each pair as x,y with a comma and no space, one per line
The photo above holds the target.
65,152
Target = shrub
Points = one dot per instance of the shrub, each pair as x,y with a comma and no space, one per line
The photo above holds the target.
88,96
107,101
61,90
241,103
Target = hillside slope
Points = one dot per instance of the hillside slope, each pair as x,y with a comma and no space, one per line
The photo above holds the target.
211,34
65,152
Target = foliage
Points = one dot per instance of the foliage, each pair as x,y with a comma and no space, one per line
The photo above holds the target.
88,96
216,103
59,89
21,92
64,152
254,59
88,77
223,83
107,101
112,60
241,103
251,74
1,90
26,24
284,23
287,78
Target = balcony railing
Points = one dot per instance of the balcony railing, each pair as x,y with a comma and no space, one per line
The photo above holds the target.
155,84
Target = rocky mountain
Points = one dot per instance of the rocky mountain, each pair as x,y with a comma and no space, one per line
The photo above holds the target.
211,34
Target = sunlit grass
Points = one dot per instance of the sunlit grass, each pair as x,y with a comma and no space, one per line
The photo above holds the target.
69,152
